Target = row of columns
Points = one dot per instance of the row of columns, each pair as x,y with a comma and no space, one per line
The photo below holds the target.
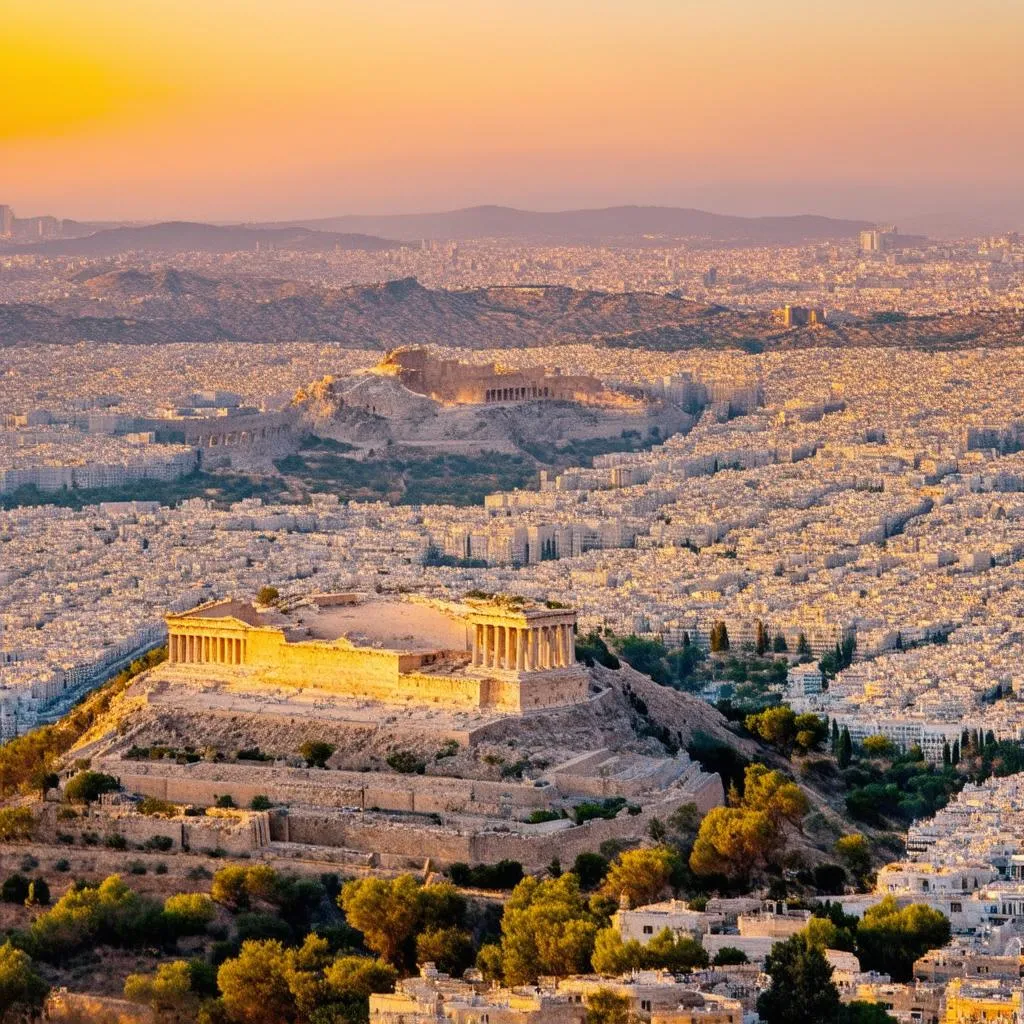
514,394
523,649
198,649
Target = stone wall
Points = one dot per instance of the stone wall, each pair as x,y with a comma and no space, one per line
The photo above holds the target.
407,844
235,832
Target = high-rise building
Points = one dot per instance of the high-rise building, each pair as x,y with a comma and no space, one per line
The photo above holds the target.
881,239
710,276
6,221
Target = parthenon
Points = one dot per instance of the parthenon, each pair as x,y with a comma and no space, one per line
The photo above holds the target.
527,646
509,656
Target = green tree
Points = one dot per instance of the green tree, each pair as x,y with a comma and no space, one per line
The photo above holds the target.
640,876
718,638
677,953
88,786
590,869
729,956
16,824
168,991
811,731
860,1012
386,911
14,889
43,781
316,753
189,913
844,750
776,726
267,595
736,841
605,1006
801,986
450,949
546,929
879,745
890,938
760,639
22,991
613,956
856,854
255,986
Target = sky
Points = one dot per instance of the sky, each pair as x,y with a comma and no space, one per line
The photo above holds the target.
266,109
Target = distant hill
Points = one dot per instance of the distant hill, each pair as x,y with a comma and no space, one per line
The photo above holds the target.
184,236
615,222
166,305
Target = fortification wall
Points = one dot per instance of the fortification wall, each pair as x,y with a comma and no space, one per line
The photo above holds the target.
318,788
407,844
236,833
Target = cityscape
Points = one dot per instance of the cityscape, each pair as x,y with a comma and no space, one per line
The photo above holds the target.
496,530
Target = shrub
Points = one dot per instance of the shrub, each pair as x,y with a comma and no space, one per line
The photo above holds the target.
406,762
267,595
590,809
16,823
116,842
540,815
590,869
161,843
316,753
189,913
260,803
156,807
137,867
224,802
38,893
506,874
88,786
14,889
62,865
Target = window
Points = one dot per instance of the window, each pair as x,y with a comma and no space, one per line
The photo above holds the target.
956,908
648,929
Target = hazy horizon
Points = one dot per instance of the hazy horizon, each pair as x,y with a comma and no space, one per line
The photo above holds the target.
249,111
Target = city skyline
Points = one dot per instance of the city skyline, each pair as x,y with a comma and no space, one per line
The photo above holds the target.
225,113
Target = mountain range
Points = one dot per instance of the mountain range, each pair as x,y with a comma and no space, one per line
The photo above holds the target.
615,222
186,236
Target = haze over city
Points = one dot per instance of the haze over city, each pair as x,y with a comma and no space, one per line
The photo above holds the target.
244,110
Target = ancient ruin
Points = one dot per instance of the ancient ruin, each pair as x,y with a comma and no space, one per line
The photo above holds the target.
448,732
511,657
453,382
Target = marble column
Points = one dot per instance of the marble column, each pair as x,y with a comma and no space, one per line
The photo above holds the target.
521,635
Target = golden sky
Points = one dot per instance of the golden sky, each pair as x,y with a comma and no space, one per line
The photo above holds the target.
263,108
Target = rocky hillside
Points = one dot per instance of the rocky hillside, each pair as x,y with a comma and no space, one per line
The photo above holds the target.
162,305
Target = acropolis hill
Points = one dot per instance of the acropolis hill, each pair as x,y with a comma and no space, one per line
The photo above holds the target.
458,731
413,396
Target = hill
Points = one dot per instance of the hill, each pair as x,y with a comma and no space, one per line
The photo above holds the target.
149,307
185,236
615,222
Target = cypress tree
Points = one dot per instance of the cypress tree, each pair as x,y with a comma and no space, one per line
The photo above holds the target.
955,755
947,755
835,736
844,752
